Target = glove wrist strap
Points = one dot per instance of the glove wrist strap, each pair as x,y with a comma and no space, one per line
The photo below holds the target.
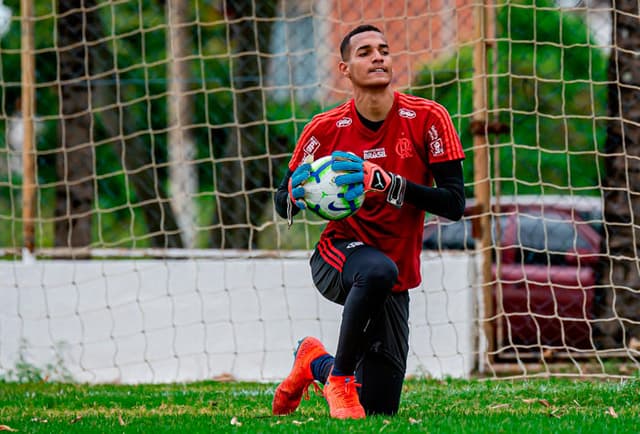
289,213
395,195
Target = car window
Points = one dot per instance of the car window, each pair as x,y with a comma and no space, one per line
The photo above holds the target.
537,239
558,235
547,239
447,235
443,234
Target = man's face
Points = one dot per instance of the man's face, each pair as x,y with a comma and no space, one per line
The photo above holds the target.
369,61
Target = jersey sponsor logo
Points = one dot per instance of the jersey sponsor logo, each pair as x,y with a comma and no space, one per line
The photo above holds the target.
404,148
433,133
311,146
370,154
354,244
406,113
436,147
344,122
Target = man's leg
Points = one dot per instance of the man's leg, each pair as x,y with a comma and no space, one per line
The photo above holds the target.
382,368
370,275
366,277
311,361
360,278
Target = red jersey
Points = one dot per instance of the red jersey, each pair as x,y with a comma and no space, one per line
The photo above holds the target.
416,132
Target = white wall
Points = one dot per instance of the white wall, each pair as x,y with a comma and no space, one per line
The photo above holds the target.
181,320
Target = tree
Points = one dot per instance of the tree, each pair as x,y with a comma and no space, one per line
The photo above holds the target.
75,161
125,122
181,148
243,173
549,89
618,302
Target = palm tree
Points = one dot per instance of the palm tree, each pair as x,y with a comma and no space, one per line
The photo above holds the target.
617,301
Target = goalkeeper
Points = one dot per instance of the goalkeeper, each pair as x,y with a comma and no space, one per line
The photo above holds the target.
392,146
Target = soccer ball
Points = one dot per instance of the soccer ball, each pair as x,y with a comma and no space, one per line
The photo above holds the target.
323,197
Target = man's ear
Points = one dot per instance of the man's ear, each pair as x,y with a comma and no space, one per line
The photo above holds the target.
344,69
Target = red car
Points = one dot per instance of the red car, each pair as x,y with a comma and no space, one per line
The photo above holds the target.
543,298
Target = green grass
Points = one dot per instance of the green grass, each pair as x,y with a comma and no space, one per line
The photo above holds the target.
451,406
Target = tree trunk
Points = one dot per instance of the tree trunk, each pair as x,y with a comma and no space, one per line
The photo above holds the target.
617,302
182,175
137,157
138,164
75,162
243,171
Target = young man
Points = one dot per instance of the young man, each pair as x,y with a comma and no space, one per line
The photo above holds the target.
392,146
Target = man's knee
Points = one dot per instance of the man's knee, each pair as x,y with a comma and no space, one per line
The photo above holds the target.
381,274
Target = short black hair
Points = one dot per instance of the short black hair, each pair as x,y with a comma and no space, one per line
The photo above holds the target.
344,45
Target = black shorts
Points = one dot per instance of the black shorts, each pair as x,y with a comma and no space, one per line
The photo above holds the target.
388,334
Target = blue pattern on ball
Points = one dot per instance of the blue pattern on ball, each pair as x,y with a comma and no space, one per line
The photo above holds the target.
326,199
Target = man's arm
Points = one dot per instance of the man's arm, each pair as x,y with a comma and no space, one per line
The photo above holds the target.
447,198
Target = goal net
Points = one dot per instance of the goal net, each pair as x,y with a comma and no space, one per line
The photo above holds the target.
142,142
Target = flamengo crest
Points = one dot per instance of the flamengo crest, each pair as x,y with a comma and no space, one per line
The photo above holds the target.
404,148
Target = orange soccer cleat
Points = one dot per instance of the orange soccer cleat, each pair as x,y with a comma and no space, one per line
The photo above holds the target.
289,393
342,397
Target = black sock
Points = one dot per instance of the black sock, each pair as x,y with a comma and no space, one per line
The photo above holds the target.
321,368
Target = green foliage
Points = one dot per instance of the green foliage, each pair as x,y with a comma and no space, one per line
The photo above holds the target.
136,53
551,87
285,121
552,90
142,88
132,71
46,104
25,371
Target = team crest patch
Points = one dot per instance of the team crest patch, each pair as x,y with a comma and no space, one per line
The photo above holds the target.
311,146
404,148
436,148
370,154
